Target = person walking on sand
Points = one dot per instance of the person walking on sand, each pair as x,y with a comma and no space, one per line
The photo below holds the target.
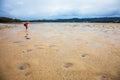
26,25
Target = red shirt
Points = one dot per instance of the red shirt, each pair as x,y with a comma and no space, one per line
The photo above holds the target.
27,24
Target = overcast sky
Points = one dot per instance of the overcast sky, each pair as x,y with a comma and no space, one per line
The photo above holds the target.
54,9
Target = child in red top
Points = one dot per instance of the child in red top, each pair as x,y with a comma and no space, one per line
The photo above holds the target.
26,25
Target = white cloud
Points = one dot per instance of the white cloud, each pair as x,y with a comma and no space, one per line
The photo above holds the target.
62,8
20,3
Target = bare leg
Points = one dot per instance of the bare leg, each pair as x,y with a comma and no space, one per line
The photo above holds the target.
26,28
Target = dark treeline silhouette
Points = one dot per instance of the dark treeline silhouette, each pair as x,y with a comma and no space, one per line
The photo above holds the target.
9,20
100,20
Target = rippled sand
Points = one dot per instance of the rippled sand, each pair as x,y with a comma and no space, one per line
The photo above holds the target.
60,51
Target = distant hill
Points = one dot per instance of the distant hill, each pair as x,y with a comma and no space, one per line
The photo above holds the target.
101,20
8,20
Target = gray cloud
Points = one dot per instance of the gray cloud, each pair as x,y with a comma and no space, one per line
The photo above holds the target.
52,9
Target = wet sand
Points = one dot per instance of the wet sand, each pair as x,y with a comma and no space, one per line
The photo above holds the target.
60,51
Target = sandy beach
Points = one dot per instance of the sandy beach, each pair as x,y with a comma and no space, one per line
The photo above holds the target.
60,51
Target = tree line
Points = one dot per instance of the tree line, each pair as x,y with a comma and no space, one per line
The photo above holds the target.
101,20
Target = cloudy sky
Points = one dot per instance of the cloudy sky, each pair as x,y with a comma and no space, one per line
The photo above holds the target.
54,9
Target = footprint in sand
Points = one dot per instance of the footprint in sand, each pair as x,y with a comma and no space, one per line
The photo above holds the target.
28,74
24,66
22,45
27,37
68,65
17,41
40,48
84,55
36,45
75,26
29,50
51,46
103,77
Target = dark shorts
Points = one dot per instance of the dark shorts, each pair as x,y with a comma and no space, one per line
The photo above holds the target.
26,26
